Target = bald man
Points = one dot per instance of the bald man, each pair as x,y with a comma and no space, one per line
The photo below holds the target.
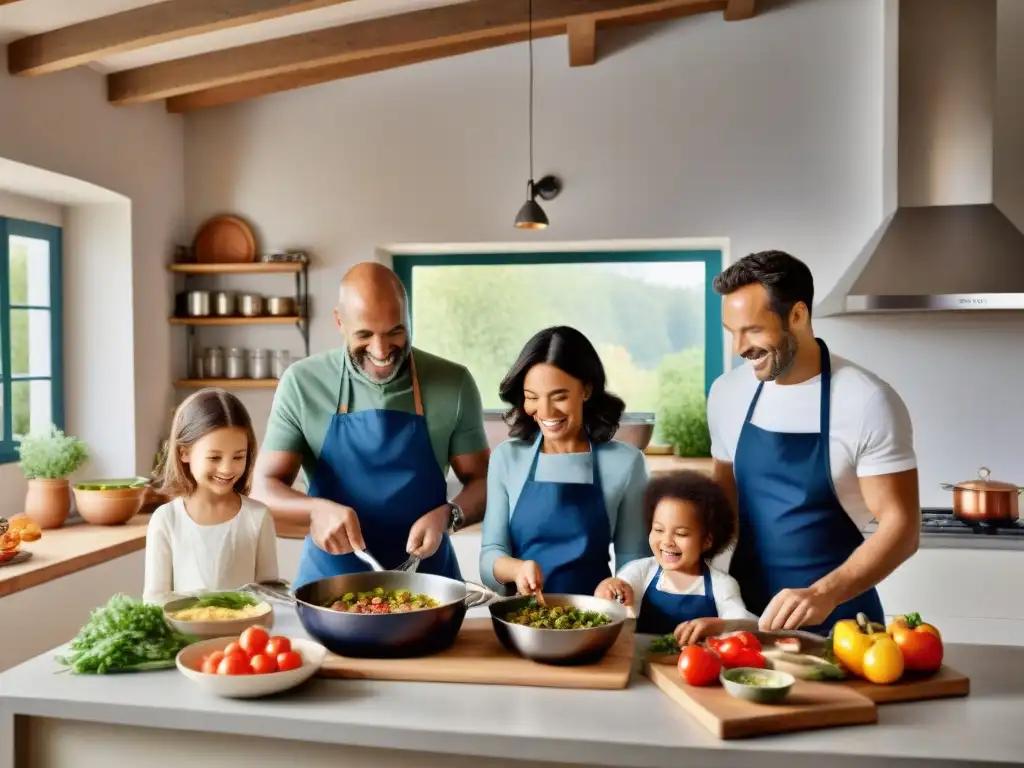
375,425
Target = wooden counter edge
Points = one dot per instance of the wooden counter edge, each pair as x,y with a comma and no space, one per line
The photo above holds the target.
656,464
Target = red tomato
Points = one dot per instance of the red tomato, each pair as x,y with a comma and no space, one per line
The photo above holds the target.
729,647
278,645
211,662
253,640
234,649
714,643
262,664
233,664
749,640
699,666
745,657
288,660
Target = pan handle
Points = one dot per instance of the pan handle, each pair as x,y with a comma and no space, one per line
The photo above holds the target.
478,595
273,590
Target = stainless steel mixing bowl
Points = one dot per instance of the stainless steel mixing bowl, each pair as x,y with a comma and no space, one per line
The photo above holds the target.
559,646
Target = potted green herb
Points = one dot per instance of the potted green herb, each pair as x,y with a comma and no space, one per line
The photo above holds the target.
48,457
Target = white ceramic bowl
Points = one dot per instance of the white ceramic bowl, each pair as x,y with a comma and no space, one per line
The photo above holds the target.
190,659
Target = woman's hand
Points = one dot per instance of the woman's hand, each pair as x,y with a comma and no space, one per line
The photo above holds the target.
690,632
529,579
613,588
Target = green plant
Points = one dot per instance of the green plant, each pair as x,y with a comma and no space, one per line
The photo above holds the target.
682,415
49,454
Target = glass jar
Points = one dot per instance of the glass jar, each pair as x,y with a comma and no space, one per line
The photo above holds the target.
281,360
234,363
259,364
214,366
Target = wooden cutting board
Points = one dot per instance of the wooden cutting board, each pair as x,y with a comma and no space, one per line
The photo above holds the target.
809,706
945,683
478,657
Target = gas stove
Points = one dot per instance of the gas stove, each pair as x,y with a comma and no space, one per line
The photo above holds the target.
939,520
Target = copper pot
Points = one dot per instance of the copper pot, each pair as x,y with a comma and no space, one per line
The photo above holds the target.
984,500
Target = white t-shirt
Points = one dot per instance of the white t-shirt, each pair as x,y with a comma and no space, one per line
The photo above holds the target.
870,431
639,574
183,557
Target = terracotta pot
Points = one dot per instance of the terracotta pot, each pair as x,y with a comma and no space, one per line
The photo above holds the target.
48,502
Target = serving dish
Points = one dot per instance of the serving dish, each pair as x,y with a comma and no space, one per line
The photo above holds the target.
761,686
190,659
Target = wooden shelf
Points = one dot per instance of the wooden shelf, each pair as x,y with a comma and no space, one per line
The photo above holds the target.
254,267
227,383
261,320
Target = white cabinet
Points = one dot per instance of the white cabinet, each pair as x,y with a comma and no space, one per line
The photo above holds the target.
36,620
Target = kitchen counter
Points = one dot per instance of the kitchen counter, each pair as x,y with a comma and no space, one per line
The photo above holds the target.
61,716
72,548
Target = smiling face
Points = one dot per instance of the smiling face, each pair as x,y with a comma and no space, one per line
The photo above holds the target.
217,460
759,334
677,538
554,399
374,327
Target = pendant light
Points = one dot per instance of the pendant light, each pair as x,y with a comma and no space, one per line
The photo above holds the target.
531,215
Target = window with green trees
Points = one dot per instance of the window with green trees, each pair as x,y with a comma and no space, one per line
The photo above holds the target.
652,315
31,386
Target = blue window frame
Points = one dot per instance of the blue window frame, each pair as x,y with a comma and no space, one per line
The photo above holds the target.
406,266
31,325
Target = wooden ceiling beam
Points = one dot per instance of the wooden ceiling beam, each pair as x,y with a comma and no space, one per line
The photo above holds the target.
231,94
582,34
451,25
92,40
738,10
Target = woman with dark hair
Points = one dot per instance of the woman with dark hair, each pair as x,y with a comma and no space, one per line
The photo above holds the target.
561,493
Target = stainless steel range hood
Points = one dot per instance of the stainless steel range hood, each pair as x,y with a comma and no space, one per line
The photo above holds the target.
942,258
948,245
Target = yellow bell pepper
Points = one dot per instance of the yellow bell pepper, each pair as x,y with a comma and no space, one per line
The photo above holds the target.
864,648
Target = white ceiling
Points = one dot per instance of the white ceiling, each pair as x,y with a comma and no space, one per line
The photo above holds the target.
29,17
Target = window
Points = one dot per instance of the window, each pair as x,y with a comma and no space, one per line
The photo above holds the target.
652,315
31,391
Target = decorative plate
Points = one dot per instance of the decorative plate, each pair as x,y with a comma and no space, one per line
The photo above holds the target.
223,240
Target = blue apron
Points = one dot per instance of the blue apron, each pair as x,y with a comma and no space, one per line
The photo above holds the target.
564,528
381,463
661,612
793,530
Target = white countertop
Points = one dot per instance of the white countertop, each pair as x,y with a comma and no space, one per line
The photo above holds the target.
638,726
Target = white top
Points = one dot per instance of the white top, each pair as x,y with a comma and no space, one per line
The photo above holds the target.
870,431
184,557
639,574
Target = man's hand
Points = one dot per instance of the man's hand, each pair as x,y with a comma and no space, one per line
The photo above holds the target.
426,533
335,528
795,608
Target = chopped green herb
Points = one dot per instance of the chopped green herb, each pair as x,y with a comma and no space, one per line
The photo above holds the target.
538,616
664,644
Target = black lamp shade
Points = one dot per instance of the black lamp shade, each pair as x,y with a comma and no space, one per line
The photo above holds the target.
531,216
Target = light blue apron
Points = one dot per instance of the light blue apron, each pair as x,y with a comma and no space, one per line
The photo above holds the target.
793,530
661,612
564,528
381,463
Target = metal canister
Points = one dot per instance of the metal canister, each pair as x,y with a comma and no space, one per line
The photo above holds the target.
250,305
198,303
259,364
280,361
234,363
214,366
224,303
198,368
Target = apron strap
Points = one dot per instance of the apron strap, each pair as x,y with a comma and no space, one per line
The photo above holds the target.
344,388
826,403
416,396
709,591
753,403
595,479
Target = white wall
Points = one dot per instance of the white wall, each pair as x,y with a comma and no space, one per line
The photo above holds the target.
31,209
776,133
118,344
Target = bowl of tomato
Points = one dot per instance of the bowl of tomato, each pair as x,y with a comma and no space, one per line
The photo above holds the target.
252,664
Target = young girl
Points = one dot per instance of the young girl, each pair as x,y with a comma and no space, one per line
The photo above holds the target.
211,536
677,590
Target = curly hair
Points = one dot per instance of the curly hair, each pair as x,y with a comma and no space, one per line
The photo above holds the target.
568,350
717,518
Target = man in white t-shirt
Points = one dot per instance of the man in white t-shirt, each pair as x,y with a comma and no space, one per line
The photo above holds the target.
811,447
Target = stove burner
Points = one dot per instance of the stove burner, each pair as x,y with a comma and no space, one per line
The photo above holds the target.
942,521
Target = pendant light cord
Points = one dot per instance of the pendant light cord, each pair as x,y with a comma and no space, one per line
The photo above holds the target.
530,39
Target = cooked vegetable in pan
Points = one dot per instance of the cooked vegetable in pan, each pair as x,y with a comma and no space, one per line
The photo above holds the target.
381,600
538,616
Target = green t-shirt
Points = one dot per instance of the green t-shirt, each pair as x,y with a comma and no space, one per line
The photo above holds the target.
307,398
